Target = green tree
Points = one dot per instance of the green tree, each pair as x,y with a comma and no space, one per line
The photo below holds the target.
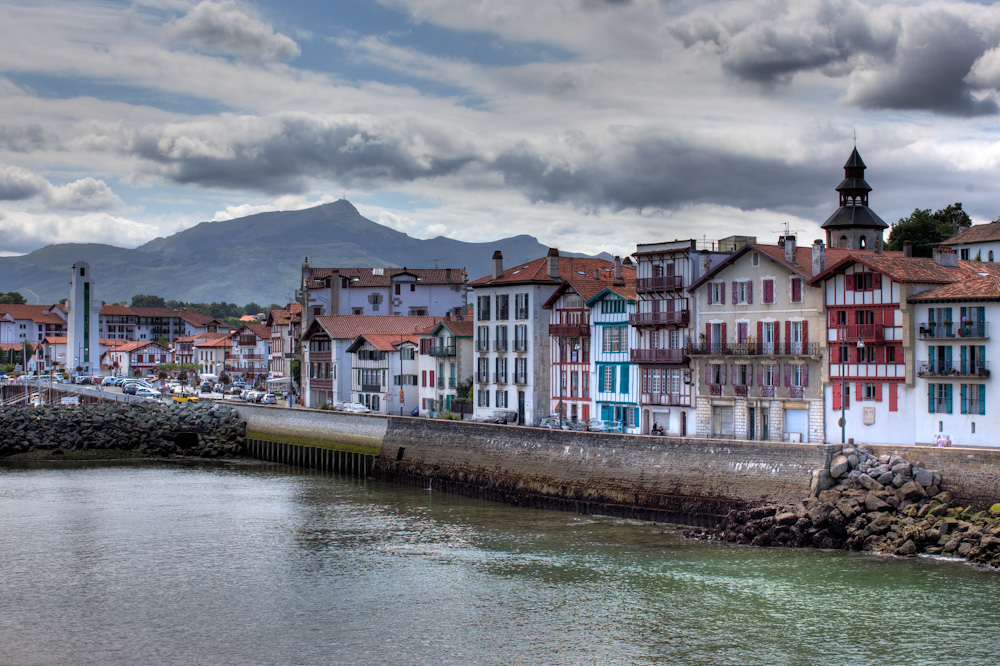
252,308
12,298
144,301
954,217
924,230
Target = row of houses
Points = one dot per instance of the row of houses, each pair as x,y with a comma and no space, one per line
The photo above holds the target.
831,341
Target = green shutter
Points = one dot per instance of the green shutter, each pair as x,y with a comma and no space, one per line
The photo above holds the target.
962,403
600,378
930,356
965,361
624,383
947,398
930,398
947,357
982,358
982,398
612,387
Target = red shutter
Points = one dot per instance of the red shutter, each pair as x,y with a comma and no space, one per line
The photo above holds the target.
760,337
805,337
722,333
788,333
734,292
423,376
849,282
749,291
430,375
893,405
876,281
835,354
805,375
710,290
708,338
769,291
836,395
859,391
878,392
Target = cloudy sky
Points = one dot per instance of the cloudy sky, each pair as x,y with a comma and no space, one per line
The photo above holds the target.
590,124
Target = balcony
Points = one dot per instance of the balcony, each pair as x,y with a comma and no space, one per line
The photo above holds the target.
715,389
863,332
482,345
938,330
666,399
796,392
966,370
499,378
520,379
668,356
754,349
569,330
319,356
500,345
768,391
441,350
520,345
662,283
673,318
371,388
440,382
740,390
321,384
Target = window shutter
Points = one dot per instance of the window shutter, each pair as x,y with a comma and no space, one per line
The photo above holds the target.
930,398
760,375
432,377
708,373
708,338
423,378
849,282
722,373
734,293
711,288
769,291
947,356
805,337
749,291
982,398
947,398
836,395
930,356
878,392
962,398
750,375
876,281
600,378
859,391
788,333
893,404
722,331
760,334
733,374
805,375
624,381
788,375
982,358
965,361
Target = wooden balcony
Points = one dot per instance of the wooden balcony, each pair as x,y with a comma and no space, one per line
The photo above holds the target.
672,318
569,330
754,349
662,283
937,330
966,370
664,356
321,384
863,332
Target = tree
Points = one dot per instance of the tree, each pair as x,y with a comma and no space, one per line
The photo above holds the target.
143,301
12,298
954,217
252,308
924,230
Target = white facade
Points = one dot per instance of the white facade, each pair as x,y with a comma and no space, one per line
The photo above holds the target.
445,361
614,379
83,323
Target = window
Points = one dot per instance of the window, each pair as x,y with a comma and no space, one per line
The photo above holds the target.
483,398
939,398
716,292
501,370
613,306
868,392
502,310
521,306
755,259
799,375
973,398
357,311
407,353
397,286
521,337
521,370
768,285
607,378
483,339
796,290
483,312
502,399
990,256
742,375
742,292
483,370
615,339
717,373
965,254
501,339
413,286
769,375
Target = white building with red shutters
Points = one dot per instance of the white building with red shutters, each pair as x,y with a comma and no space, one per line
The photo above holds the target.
249,352
137,358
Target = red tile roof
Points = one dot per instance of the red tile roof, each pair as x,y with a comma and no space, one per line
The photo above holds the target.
386,342
40,314
225,341
977,233
351,326
973,288
366,277
133,345
578,271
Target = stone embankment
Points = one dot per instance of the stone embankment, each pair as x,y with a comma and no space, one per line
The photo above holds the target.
873,503
151,428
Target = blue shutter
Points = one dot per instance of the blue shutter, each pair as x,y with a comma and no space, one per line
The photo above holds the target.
947,398
930,398
965,361
930,356
982,358
982,398
947,357
600,377
963,395
624,383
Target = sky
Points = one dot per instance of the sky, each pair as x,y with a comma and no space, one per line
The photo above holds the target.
593,125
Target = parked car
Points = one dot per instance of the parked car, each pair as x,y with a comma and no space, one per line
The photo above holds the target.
185,398
268,399
599,425
356,408
503,416
206,387
142,392
108,381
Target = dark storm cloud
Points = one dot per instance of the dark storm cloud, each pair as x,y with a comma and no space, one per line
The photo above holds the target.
930,71
283,154
665,173
18,184
23,138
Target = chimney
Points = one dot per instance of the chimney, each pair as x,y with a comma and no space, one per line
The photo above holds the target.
497,264
618,268
945,256
447,275
552,263
790,249
627,262
597,273
819,257
907,249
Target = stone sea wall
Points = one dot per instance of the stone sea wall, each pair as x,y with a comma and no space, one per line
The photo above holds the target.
157,429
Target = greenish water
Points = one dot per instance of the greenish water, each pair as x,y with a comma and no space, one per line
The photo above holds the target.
246,564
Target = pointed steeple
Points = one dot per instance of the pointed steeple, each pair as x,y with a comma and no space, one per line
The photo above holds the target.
853,189
854,225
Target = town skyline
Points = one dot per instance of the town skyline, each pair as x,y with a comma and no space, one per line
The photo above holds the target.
593,126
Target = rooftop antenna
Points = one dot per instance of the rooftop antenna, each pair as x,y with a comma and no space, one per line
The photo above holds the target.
436,261
787,231
855,137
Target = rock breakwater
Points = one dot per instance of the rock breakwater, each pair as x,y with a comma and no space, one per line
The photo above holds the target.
864,502
151,428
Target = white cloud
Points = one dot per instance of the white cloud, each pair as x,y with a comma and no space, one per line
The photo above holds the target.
30,231
225,27
17,184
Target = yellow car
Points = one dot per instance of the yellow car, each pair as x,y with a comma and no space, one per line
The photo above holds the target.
184,398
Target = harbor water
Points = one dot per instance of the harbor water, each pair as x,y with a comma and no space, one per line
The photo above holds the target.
243,563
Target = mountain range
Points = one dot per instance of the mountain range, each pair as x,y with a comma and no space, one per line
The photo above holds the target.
250,259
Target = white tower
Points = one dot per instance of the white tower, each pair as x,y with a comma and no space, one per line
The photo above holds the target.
83,349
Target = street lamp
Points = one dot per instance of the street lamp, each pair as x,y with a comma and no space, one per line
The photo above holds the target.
843,395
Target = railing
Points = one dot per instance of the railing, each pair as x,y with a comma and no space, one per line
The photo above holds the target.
715,389
661,283
321,355
499,378
970,329
482,377
675,356
754,349
740,390
521,313
441,350
795,392
964,369
440,382
672,318
666,399
371,388
520,379
569,330
767,391
863,332
451,382
321,384
482,345
520,345
499,345
502,314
